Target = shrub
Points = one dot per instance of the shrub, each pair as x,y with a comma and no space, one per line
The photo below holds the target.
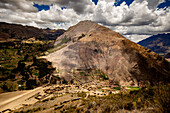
82,94
8,86
116,88
162,97
82,35
30,84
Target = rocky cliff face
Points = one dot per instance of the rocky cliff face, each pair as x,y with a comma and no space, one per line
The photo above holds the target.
92,46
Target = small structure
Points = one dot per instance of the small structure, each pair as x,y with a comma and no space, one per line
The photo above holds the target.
58,107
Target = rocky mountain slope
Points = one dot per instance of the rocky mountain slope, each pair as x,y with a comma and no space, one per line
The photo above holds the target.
158,43
88,48
15,31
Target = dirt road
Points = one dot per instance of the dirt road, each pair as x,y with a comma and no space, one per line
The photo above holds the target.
14,100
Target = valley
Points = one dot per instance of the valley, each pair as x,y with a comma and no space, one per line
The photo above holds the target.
88,68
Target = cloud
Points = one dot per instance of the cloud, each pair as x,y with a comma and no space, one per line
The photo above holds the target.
136,38
136,20
152,4
17,5
79,6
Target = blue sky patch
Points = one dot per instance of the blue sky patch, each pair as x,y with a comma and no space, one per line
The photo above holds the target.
119,2
63,7
164,4
95,1
41,7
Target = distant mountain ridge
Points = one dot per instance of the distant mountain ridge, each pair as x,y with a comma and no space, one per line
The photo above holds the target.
89,46
15,31
158,43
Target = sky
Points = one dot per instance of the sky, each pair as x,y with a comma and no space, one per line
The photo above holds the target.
134,19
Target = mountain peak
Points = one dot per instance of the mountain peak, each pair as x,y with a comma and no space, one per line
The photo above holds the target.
88,45
86,21
83,26
87,28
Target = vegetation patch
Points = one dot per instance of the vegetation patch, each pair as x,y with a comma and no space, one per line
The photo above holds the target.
59,45
19,64
116,88
130,88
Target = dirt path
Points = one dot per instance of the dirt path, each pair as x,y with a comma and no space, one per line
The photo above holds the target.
15,100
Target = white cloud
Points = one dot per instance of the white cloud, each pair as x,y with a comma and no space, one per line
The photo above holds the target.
136,21
136,38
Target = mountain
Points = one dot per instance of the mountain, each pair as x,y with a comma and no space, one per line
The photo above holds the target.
89,52
15,31
158,43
